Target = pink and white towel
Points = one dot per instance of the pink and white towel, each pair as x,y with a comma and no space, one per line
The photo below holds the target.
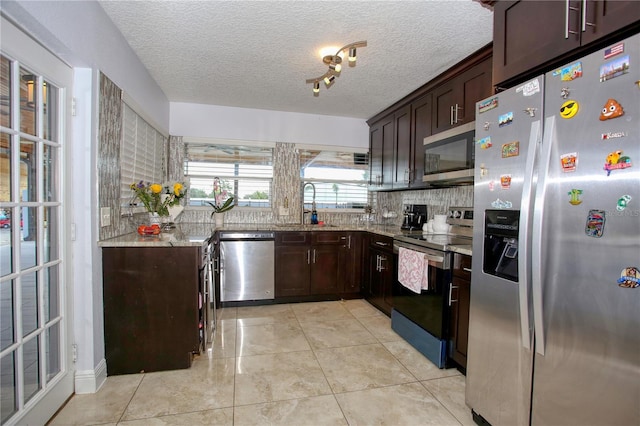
413,270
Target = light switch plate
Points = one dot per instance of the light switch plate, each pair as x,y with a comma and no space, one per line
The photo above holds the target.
105,216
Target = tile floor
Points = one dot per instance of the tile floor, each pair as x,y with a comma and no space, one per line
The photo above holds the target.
325,363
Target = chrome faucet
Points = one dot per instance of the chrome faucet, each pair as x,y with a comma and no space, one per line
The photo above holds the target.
314,214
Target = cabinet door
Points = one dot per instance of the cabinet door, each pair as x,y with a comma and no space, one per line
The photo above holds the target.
402,164
292,270
459,334
445,98
324,269
387,276
421,128
381,153
476,85
388,152
375,155
604,17
528,33
351,262
374,285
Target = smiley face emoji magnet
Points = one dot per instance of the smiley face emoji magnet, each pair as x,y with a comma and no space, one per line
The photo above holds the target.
612,109
569,109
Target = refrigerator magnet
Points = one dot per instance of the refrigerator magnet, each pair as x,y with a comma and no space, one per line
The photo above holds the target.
505,181
486,125
615,68
530,88
612,109
623,202
564,92
617,161
569,162
613,135
574,196
487,105
501,204
571,72
485,143
511,149
614,50
530,111
505,119
569,109
630,277
595,223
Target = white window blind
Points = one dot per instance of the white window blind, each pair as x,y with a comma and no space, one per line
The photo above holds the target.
340,178
244,171
141,154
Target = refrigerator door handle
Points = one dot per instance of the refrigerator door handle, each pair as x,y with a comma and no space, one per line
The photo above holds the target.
524,264
536,243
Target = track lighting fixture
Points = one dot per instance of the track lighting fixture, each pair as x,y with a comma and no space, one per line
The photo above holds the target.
335,65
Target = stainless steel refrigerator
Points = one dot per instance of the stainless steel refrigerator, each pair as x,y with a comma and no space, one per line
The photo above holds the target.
554,327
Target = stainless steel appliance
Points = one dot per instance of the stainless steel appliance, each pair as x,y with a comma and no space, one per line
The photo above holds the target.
246,265
208,295
449,156
414,216
422,318
554,335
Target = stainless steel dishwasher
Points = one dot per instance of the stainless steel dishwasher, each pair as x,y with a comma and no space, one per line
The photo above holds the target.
246,265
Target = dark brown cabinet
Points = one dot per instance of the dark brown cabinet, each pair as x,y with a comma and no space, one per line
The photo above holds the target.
381,153
381,273
151,313
351,261
316,263
528,36
421,127
402,148
459,309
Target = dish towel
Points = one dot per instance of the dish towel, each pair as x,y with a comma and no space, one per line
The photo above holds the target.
413,270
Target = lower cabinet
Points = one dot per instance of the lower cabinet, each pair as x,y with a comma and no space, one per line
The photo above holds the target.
151,307
380,273
459,311
317,263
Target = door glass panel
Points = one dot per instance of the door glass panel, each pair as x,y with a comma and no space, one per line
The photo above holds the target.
28,102
28,168
8,397
50,95
49,173
51,233
29,284
7,310
5,92
53,351
28,243
31,359
5,168
6,247
51,293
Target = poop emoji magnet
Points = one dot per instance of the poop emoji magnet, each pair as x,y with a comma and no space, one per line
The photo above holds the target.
569,109
612,109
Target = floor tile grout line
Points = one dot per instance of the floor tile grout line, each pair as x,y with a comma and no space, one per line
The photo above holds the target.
442,403
131,399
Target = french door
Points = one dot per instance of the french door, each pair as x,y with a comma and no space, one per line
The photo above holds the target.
35,376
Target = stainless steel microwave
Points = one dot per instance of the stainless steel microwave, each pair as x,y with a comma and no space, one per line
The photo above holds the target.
449,156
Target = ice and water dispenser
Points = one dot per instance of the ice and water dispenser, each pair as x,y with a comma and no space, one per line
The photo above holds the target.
501,243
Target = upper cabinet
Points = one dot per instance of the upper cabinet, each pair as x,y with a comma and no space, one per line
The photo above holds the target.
531,35
396,135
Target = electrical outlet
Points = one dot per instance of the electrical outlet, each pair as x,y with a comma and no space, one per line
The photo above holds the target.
105,216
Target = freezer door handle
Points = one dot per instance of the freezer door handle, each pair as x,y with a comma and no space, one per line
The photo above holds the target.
526,212
536,243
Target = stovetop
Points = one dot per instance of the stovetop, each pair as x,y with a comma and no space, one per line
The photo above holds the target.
434,241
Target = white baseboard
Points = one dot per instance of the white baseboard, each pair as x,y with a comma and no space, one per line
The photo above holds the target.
89,381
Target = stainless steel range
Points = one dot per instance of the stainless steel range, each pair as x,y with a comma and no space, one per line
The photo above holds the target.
421,315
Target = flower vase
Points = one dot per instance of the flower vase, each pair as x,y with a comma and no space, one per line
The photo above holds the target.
154,218
219,218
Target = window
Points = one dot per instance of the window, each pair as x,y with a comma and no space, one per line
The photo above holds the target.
141,154
340,178
244,171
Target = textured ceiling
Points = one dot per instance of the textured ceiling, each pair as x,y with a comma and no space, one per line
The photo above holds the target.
258,54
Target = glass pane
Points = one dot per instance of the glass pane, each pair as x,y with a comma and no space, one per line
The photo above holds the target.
6,245
7,326
53,351
28,102
28,168
49,174
50,95
29,303
51,293
5,92
51,234
8,396
31,356
5,167
28,239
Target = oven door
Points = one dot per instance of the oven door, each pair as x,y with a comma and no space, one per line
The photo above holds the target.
429,309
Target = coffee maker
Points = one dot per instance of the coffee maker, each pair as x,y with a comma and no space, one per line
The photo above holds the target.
414,216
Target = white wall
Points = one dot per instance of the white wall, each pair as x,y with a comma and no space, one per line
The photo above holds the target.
211,121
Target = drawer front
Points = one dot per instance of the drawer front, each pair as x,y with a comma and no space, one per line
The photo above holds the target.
293,238
462,266
334,238
381,242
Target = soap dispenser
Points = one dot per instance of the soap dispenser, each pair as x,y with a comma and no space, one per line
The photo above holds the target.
314,215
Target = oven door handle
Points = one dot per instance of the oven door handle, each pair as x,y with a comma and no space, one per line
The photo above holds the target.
434,258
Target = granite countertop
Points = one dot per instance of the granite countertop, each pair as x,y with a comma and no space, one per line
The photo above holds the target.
462,249
196,234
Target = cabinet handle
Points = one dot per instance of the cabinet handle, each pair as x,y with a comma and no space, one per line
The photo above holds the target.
380,243
314,255
467,270
377,263
349,242
568,10
382,259
451,115
407,175
308,257
584,17
450,291
457,108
